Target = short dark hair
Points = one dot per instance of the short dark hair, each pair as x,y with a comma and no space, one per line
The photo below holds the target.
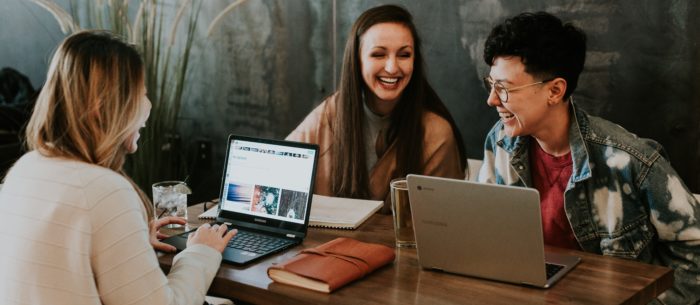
547,47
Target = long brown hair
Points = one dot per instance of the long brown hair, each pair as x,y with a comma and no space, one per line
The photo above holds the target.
349,167
90,104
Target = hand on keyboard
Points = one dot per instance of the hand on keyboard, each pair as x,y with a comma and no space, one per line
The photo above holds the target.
155,235
215,236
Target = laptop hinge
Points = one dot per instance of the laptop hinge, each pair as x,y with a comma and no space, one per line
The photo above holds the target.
256,227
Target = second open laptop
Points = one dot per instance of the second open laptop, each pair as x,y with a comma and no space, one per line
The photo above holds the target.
266,192
483,230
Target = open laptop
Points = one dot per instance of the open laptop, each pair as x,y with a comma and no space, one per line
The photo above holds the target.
266,193
483,230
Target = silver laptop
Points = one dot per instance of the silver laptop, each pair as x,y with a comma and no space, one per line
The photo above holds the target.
483,230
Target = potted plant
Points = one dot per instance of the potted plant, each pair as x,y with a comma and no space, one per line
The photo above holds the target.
165,41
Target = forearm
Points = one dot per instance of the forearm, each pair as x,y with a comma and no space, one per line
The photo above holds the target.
675,214
684,258
192,273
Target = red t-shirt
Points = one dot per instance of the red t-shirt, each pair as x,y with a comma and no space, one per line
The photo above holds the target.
550,176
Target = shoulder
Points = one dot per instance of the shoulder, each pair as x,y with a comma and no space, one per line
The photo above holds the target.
317,119
69,182
69,172
436,126
325,110
600,132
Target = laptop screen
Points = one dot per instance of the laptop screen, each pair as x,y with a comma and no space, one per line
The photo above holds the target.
268,182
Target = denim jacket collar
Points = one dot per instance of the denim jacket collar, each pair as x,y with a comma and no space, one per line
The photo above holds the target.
517,147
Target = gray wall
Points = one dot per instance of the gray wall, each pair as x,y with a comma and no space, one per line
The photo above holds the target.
270,62
28,37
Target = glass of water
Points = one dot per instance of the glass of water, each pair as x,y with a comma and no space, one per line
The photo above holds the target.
170,199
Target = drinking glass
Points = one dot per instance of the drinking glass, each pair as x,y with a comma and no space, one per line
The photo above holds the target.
401,210
170,199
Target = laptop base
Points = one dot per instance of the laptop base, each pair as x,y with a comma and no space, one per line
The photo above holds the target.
231,255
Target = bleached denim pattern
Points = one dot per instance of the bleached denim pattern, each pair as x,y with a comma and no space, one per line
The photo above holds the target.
623,198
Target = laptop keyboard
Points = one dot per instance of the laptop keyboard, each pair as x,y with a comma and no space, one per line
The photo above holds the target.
552,269
257,243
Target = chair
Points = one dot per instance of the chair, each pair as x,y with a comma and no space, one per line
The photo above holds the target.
472,170
9,153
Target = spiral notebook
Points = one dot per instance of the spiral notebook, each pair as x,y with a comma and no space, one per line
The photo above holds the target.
341,213
210,213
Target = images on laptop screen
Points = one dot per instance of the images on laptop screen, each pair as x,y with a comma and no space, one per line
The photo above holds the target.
268,180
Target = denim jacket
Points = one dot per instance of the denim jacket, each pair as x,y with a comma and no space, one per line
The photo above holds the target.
623,198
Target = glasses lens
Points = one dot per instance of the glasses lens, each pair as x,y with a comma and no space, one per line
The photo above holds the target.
502,92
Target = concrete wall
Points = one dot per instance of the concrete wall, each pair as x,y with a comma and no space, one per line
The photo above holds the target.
271,61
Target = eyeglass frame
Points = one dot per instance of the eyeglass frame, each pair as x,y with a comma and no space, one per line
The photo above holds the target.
490,85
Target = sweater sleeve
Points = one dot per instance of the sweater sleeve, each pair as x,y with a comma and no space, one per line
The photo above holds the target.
124,264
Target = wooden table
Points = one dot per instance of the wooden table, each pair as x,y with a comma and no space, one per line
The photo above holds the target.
596,280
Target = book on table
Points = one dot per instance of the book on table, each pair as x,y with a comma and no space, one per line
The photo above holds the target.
331,265
341,213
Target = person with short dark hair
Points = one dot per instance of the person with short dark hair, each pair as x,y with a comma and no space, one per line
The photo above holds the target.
602,189
385,121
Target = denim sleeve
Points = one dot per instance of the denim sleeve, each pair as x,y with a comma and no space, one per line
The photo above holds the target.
675,213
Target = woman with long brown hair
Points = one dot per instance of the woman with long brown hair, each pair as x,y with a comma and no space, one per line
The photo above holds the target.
74,228
385,121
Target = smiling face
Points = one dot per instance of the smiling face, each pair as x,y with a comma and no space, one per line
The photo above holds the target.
386,56
526,111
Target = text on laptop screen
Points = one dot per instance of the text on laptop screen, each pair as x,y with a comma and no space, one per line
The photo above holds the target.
268,180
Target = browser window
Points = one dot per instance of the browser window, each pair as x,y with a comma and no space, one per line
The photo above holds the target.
253,185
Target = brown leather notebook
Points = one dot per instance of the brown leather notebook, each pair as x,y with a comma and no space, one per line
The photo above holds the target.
331,265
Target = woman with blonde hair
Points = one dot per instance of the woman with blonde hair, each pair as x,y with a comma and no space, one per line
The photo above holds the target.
74,228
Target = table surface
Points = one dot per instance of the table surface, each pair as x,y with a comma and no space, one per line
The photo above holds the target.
596,280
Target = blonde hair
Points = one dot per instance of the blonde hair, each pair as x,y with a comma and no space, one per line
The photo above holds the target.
90,104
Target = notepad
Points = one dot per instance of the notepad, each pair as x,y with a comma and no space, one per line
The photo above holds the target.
330,212
211,213
341,213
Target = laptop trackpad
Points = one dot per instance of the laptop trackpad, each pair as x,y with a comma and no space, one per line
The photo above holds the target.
178,241
238,257
564,264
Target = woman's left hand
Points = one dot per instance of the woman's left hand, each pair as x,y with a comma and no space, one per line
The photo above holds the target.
156,236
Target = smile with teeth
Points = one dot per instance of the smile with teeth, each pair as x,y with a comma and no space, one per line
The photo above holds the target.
389,80
506,115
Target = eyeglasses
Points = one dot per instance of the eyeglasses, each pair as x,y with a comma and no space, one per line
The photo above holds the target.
502,92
